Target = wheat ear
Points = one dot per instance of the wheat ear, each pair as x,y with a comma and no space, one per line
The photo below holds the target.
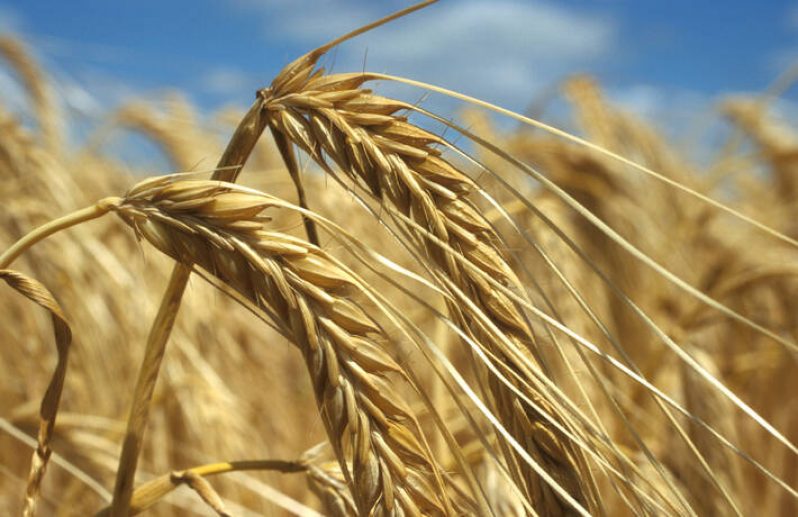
374,433
334,119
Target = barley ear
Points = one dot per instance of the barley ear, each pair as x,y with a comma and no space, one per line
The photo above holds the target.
311,298
345,127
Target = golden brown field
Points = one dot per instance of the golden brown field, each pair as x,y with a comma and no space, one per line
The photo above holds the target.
351,315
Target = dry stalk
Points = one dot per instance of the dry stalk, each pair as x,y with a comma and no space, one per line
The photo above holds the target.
235,156
218,228
149,493
48,410
334,119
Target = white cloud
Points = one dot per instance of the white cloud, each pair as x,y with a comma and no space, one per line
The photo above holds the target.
644,101
90,94
314,21
668,109
225,81
504,51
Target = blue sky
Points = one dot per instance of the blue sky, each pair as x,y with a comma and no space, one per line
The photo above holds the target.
649,55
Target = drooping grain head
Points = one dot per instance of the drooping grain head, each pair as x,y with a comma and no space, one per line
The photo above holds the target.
374,433
345,127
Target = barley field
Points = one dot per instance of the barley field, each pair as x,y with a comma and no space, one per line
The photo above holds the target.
369,308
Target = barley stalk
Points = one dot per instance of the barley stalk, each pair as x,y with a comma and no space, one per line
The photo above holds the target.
149,493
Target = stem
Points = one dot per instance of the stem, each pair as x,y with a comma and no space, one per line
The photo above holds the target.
149,493
235,156
42,232
289,158
145,385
